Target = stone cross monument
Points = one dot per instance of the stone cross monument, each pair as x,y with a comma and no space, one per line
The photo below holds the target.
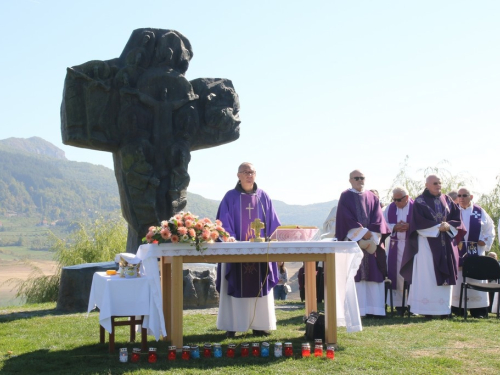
141,108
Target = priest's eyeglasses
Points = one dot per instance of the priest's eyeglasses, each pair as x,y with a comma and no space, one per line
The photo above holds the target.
462,195
398,199
357,178
248,173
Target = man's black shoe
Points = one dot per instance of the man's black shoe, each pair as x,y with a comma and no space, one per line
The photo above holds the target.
257,332
230,334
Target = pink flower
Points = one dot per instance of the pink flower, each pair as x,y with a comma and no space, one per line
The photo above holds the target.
218,222
182,230
224,238
219,228
180,223
214,235
206,220
149,236
198,225
178,217
164,224
205,235
151,229
165,233
188,223
174,238
192,232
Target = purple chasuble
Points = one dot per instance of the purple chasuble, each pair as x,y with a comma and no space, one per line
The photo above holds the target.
362,210
392,261
236,211
469,247
428,211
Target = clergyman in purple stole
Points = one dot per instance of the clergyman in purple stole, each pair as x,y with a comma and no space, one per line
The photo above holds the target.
430,259
479,238
397,216
359,216
239,284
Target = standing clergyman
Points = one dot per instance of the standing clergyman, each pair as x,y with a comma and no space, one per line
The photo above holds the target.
430,259
360,218
246,289
398,215
476,242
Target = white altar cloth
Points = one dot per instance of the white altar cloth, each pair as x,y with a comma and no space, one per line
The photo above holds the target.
117,296
348,257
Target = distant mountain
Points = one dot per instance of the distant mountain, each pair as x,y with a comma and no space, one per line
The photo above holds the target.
37,179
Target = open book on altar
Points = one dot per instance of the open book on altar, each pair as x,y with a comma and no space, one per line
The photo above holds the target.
294,233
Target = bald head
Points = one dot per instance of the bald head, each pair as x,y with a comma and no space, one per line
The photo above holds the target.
357,180
433,184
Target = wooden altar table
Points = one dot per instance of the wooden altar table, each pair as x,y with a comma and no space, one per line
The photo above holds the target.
342,257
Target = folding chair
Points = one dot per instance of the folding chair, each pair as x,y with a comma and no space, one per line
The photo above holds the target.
388,289
479,268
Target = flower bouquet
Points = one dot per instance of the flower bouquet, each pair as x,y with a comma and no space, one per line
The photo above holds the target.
185,227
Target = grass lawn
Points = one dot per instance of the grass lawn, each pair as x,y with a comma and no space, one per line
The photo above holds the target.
36,339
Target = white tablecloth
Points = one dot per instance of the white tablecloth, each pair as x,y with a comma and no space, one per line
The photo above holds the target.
348,257
117,296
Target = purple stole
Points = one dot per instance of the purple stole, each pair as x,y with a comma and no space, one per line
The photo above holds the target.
392,261
469,247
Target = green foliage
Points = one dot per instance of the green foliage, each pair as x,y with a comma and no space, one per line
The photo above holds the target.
99,241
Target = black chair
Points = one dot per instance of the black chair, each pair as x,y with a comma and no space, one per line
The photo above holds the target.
388,289
406,292
479,268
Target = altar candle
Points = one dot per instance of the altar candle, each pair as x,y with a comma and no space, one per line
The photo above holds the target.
152,356
306,350
136,355
207,350
288,349
264,351
230,350
186,353
123,355
330,352
172,353
245,350
255,349
278,349
318,350
195,352
217,351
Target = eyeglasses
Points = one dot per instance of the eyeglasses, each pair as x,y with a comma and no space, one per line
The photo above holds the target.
359,178
248,173
462,195
436,183
398,199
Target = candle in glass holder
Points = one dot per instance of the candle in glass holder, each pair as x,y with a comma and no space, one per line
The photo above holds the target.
255,349
123,355
186,353
288,349
306,350
136,355
245,351
330,352
318,350
278,349
207,350
195,352
264,351
230,350
152,356
217,351
172,353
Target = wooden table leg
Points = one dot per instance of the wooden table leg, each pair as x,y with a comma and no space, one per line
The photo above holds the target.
166,292
177,302
330,300
310,287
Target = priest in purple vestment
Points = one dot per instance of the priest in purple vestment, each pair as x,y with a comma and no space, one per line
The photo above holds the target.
360,218
398,216
246,300
430,259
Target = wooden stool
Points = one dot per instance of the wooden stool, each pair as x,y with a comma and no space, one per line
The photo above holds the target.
132,322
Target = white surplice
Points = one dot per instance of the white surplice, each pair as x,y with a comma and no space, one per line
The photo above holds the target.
242,314
401,215
426,297
475,299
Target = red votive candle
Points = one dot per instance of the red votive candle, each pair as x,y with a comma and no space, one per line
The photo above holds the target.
152,356
230,350
186,353
288,349
172,352
136,355
256,349
245,350
330,352
306,350
318,350
207,350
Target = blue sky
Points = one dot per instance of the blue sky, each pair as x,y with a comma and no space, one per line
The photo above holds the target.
325,86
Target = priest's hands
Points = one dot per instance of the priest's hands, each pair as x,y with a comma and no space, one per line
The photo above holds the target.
401,227
444,227
367,235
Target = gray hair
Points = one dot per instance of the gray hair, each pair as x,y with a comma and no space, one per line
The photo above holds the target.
453,194
400,189
465,188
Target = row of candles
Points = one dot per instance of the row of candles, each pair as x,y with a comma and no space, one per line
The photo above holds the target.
215,350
